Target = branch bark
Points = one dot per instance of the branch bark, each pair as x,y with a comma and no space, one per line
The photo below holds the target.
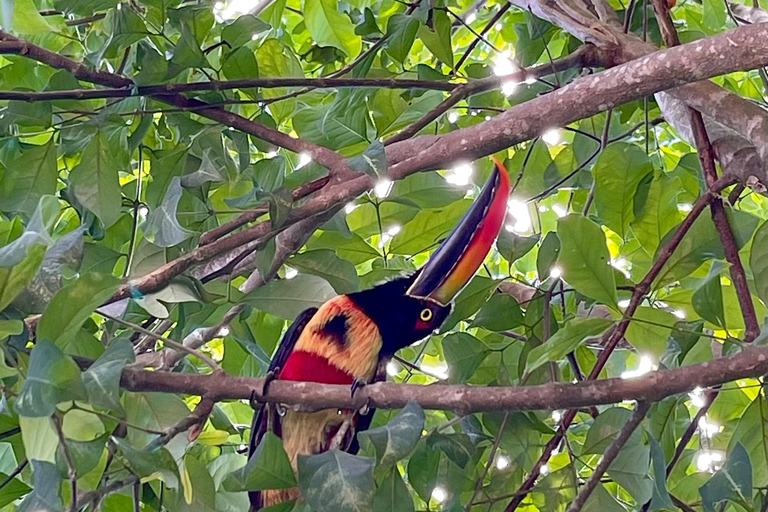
463,399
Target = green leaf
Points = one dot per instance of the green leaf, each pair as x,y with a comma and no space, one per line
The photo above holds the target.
85,454
72,306
715,15
268,468
14,280
469,300
341,274
649,330
373,161
606,427
513,246
585,260
464,353
353,249
329,27
145,463
46,491
392,494
401,33
457,447
661,499
566,340
732,482
278,60
287,298
752,433
438,41
162,228
10,328
33,175
336,481
630,469
603,501
102,379
426,190
395,440
187,54
95,179
243,30
428,228
53,377
241,64
547,256
707,300
758,262
26,19
618,171
500,313
39,438
13,490
659,213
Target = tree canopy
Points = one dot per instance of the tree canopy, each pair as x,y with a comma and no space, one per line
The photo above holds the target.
179,179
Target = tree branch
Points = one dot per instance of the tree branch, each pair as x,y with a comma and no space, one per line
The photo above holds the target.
463,399
610,454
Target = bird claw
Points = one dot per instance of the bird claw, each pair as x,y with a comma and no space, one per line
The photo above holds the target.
268,378
356,384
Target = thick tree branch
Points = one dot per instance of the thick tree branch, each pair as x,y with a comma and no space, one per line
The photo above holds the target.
463,399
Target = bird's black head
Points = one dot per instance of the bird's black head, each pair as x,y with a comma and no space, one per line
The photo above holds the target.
402,320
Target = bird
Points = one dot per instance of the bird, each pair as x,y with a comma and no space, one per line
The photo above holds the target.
349,339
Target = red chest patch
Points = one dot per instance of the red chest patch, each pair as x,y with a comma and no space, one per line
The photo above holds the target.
308,367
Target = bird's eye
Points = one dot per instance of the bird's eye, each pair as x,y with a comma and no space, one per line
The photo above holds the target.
426,315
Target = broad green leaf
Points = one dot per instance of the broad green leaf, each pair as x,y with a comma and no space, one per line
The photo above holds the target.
243,30
758,262
95,179
153,411
630,469
39,438
26,19
10,328
145,463
469,300
392,494
401,33
585,260
72,306
426,190
268,468
328,26
102,378
46,491
423,466
13,490
186,54
354,249
661,499
702,243
336,481
513,246
732,482
398,438
340,273
28,177
278,60
17,242
752,433
438,41
428,228
707,300
649,330
457,447
603,501
53,377
715,15
199,492
162,228
15,279
549,250
287,298
565,340
500,313
373,161
618,170
83,426
463,353
241,64
605,428
659,213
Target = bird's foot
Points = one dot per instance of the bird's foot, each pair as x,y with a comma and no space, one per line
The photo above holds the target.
357,384
268,378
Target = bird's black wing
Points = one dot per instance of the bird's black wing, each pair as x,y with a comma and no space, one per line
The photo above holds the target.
261,418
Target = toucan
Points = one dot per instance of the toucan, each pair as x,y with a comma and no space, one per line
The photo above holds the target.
349,339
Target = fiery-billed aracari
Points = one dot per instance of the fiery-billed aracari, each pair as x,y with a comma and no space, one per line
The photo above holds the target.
349,339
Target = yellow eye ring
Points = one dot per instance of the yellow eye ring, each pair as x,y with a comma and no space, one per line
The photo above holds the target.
426,315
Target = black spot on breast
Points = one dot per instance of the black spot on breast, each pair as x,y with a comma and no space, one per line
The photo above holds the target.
336,329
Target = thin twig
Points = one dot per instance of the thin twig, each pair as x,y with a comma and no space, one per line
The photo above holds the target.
491,457
71,470
610,454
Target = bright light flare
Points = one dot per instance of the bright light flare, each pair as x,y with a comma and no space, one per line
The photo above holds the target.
383,188
519,212
544,471
559,210
698,398
679,313
460,175
304,159
644,366
552,137
710,460
439,371
453,117
291,272
503,65
557,416
223,332
233,9
349,208
394,229
684,207
503,462
556,273
509,88
439,494
142,212
707,429
392,369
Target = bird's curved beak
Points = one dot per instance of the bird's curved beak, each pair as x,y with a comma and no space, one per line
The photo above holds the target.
460,255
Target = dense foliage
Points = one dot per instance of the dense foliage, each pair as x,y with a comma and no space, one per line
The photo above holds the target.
96,191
